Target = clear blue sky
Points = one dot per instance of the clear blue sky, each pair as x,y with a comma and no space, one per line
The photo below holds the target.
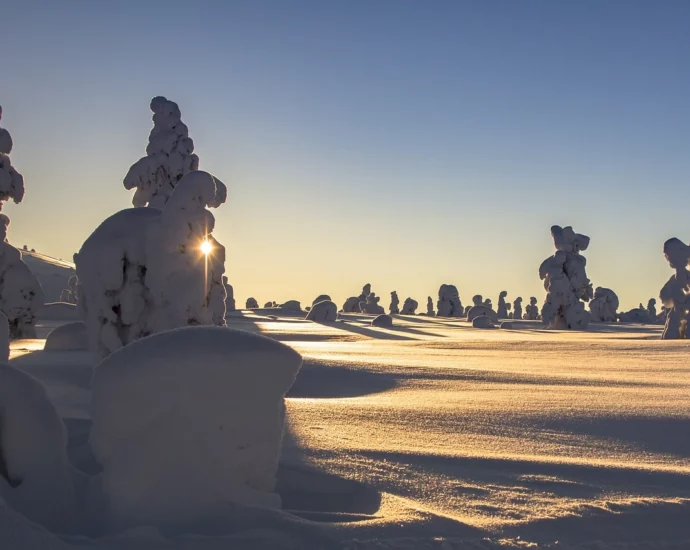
401,143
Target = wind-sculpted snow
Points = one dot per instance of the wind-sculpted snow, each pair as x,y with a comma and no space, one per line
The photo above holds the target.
143,270
180,435
565,281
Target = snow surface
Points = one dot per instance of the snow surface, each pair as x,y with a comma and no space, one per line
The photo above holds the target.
67,337
434,435
187,421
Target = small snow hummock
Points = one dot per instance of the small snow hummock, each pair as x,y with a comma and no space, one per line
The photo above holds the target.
675,294
409,307
482,311
251,303
323,312
145,270
321,298
482,321
11,181
395,303
449,304
603,308
532,310
430,307
188,422
21,295
503,307
384,321
292,304
169,156
371,305
4,342
517,308
35,475
229,295
566,282
68,337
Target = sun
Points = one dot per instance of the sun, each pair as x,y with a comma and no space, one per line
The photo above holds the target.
206,247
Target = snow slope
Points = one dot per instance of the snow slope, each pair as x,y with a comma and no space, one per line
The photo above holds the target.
52,273
431,434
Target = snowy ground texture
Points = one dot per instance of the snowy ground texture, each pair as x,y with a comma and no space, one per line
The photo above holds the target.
431,434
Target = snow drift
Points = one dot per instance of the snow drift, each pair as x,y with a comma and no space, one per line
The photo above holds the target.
187,421
143,270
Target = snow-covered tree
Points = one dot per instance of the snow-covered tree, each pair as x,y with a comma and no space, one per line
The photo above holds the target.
409,307
251,303
351,305
565,281
604,306
675,294
395,303
371,305
145,270
169,156
430,307
21,295
229,296
532,310
11,181
651,309
517,308
449,304
502,305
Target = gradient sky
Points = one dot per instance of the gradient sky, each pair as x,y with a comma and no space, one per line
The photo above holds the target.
401,143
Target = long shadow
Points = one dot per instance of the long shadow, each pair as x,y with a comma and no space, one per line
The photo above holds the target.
317,379
369,333
666,435
409,330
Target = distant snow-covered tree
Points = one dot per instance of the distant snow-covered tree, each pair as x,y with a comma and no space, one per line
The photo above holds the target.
11,181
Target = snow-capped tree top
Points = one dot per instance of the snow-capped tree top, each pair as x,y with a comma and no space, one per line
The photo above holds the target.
5,139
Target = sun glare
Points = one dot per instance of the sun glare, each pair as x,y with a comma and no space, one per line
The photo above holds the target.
206,247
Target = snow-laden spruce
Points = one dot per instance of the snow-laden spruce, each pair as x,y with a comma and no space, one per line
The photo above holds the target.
604,306
517,308
430,307
229,296
449,304
409,307
651,310
35,475
188,422
565,281
11,181
169,156
532,310
323,312
675,294
371,305
145,270
21,295
503,306
395,303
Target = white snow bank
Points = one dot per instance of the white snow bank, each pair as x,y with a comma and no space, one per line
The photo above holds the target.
385,321
323,312
11,181
69,337
604,306
143,270
409,307
35,476
21,295
189,420
565,281
449,304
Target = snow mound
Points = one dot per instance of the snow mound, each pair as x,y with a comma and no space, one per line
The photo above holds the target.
482,311
35,476
59,311
483,321
190,420
292,305
323,312
69,337
385,321
503,306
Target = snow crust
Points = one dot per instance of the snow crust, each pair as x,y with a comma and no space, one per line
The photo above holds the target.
482,321
187,421
142,271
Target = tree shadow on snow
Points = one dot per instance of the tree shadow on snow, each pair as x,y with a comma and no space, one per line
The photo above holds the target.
320,380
